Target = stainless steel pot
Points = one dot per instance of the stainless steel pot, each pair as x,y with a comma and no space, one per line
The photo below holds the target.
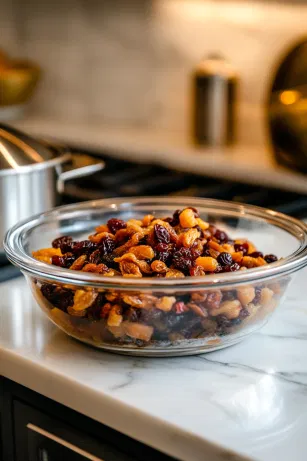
32,176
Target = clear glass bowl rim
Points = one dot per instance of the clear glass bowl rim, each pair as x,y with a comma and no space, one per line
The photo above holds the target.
293,262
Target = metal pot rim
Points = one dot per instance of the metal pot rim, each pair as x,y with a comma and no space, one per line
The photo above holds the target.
37,166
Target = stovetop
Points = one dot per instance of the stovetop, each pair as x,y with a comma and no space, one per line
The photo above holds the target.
122,178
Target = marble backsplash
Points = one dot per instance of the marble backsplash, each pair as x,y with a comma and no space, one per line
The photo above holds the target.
129,61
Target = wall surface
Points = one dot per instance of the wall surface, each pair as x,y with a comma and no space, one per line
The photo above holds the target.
129,62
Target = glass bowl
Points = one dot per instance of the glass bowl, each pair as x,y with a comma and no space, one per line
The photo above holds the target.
233,305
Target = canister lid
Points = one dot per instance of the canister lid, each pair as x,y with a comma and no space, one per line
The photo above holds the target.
214,64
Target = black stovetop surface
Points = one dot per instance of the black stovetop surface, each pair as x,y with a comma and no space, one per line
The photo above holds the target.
122,178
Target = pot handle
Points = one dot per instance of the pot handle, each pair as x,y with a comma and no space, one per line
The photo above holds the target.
77,173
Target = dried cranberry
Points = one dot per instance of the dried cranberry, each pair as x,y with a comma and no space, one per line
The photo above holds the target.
231,268
241,247
161,234
224,259
162,247
116,224
57,296
220,235
256,254
61,241
214,299
270,259
106,245
257,297
179,307
63,261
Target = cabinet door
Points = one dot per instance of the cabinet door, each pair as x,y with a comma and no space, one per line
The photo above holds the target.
45,446
40,437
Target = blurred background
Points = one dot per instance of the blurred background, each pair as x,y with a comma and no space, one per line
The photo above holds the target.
184,97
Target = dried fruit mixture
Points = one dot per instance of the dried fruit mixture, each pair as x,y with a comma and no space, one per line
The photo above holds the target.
175,247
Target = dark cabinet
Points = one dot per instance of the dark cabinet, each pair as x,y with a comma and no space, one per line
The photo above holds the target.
34,428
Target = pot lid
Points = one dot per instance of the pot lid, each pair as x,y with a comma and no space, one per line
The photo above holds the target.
18,150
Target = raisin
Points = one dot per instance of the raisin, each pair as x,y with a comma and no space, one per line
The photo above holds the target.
95,257
183,264
58,297
196,249
256,254
63,261
244,313
206,252
132,314
67,247
161,234
173,321
212,229
229,295
116,224
223,321
196,213
163,256
241,247
175,220
224,259
61,241
162,247
191,327
214,299
79,248
236,322
219,269
105,310
257,297
270,259
108,260
151,316
231,268
220,235
140,343
106,245
94,311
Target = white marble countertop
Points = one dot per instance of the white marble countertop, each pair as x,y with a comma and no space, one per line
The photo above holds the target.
249,399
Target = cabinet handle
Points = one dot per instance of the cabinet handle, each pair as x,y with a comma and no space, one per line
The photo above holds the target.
62,442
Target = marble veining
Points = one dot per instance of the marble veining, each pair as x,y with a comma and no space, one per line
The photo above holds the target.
248,401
